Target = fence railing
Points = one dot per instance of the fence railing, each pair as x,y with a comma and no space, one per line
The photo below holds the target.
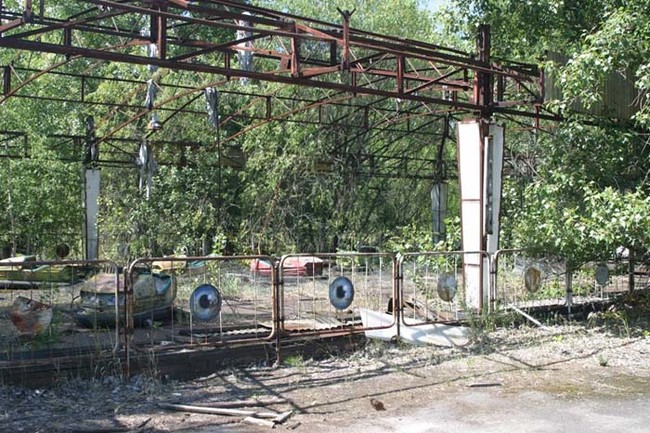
433,287
53,310
526,281
332,293
213,300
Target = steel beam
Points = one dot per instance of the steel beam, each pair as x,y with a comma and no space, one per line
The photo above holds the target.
419,71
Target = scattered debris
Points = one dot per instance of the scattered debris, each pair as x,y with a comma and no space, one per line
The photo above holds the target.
281,418
139,428
420,308
264,419
216,410
259,422
247,403
378,405
484,385
30,317
526,315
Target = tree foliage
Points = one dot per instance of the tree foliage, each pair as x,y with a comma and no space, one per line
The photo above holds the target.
589,184
300,187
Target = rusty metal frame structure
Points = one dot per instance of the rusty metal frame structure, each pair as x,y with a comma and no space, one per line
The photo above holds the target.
363,71
295,50
375,119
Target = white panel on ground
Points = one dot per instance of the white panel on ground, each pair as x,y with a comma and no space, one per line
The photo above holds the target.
91,197
470,169
433,333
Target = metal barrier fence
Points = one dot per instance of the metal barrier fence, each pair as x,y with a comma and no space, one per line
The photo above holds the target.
64,310
211,300
333,293
433,288
51,309
523,281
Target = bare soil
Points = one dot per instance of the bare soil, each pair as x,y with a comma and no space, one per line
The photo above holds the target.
589,376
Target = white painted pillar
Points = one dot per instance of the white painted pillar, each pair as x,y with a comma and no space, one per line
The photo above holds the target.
480,163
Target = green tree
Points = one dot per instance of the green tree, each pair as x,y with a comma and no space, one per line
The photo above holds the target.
576,190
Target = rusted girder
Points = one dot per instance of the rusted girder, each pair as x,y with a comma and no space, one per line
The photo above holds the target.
415,70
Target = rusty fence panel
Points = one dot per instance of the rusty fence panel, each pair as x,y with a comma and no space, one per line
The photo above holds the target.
600,280
203,300
331,294
433,288
57,310
524,281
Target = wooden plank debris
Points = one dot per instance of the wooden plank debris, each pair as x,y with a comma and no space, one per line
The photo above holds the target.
264,419
259,422
216,410
246,403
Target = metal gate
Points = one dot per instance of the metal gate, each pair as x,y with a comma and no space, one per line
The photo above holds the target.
332,293
432,287
208,300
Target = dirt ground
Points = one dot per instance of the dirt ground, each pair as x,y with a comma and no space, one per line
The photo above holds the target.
576,376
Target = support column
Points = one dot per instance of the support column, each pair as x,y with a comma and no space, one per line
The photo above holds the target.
91,192
480,164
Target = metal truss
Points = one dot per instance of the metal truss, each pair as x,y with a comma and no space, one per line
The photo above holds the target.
292,50
370,84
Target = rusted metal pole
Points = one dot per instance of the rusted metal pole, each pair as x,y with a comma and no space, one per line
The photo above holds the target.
27,14
483,80
161,36
401,66
345,61
6,80
277,311
295,54
631,269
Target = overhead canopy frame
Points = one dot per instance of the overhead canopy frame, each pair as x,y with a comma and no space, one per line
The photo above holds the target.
297,51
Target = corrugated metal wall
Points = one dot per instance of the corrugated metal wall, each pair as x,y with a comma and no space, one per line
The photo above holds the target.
619,97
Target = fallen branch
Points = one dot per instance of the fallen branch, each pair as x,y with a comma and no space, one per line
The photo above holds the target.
246,403
217,410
